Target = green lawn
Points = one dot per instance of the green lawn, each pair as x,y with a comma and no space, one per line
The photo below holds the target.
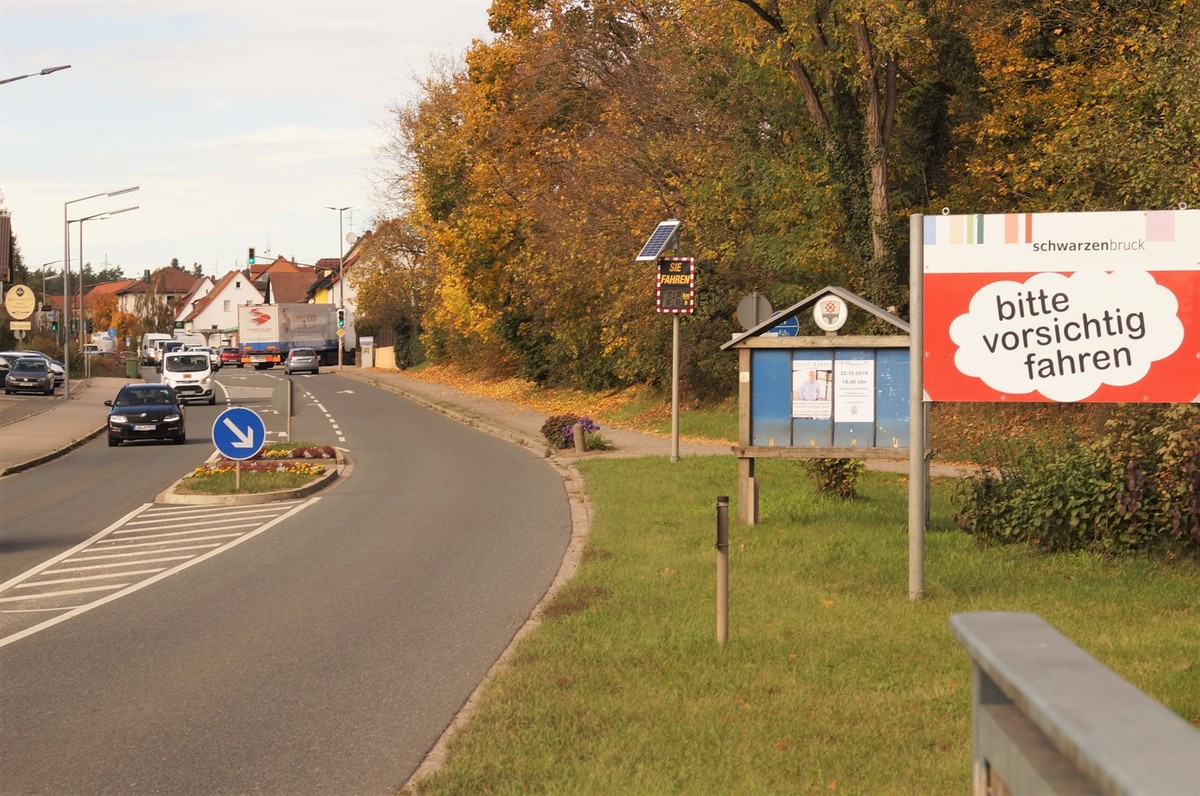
833,681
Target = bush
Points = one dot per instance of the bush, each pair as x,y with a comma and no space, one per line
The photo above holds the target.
1136,489
837,476
559,431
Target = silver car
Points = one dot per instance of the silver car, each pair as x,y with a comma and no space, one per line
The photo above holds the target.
29,374
304,360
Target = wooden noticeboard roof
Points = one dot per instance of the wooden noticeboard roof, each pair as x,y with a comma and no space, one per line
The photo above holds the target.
753,338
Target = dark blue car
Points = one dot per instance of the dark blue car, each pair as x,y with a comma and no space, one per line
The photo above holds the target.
145,411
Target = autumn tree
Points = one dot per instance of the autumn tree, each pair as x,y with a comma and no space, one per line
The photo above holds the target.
1091,106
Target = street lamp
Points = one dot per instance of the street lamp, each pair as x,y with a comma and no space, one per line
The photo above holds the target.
87,362
341,290
47,71
67,280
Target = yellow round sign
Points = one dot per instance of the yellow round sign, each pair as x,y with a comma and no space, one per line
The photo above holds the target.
20,302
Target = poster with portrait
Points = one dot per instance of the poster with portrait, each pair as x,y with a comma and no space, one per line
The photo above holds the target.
812,389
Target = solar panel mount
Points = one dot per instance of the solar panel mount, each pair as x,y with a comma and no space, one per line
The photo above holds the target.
661,238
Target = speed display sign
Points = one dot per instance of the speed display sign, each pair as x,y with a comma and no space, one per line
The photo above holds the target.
676,289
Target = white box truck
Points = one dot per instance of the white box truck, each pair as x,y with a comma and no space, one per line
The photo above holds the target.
269,331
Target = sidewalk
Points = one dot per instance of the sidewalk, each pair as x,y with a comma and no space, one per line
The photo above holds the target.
520,424
59,426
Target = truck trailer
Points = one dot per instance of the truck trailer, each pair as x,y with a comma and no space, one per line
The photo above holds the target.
269,331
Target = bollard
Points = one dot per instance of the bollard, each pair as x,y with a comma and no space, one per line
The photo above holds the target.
722,569
579,438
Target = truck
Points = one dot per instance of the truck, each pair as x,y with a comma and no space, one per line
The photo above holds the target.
269,331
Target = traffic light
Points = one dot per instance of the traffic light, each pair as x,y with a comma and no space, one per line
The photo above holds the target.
87,326
341,319
54,324
250,257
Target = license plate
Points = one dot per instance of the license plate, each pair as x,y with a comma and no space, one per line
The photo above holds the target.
144,427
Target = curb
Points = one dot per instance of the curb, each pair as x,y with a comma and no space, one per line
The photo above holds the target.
54,454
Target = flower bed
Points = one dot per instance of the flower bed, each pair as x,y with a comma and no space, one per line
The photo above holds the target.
260,466
299,460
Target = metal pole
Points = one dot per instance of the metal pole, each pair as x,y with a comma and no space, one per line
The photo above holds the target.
917,472
66,304
82,349
722,569
341,290
675,387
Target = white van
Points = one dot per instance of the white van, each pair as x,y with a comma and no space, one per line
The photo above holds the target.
148,353
190,374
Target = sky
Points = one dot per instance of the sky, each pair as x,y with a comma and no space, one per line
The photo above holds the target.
241,121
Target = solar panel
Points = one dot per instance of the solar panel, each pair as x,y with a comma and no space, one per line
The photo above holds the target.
659,240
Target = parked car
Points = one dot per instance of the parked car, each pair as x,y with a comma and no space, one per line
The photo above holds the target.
145,411
56,367
29,374
190,374
304,360
6,362
230,355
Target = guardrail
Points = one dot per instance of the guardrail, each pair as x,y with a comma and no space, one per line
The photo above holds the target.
1048,718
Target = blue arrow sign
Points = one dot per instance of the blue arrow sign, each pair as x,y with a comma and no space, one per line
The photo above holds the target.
239,433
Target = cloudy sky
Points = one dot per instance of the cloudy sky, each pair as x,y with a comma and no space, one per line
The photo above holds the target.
240,120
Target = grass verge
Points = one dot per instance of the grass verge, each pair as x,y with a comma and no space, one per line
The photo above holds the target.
833,681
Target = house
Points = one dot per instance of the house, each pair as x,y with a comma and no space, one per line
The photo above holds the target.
335,288
214,314
165,287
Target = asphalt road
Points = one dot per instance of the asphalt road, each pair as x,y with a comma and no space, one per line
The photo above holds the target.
324,654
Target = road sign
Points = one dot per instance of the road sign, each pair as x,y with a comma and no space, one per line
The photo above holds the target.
239,433
676,288
788,327
20,302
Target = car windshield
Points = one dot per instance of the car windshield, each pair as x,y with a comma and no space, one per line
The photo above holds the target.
302,352
187,363
30,365
142,396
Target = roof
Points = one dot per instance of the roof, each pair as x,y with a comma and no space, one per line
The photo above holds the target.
794,311
201,303
288,288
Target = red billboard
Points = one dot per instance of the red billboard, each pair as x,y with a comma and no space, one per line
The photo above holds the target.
1063,307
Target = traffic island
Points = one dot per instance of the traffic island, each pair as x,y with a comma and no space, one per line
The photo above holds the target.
179,494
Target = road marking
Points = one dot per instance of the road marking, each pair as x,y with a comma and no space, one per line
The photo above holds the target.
150,534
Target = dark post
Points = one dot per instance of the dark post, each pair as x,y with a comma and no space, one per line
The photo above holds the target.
722,569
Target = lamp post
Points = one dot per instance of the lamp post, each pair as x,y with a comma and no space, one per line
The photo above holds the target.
87,362
67,280
341,290
47,71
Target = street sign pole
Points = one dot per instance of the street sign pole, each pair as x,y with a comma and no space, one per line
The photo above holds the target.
238,433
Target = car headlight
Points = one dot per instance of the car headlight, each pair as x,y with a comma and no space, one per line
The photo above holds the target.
171,418
118,419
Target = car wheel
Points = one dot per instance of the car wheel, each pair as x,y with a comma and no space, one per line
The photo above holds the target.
212,401
180,439
113,442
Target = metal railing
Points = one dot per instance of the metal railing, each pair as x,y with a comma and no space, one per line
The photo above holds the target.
1048,718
